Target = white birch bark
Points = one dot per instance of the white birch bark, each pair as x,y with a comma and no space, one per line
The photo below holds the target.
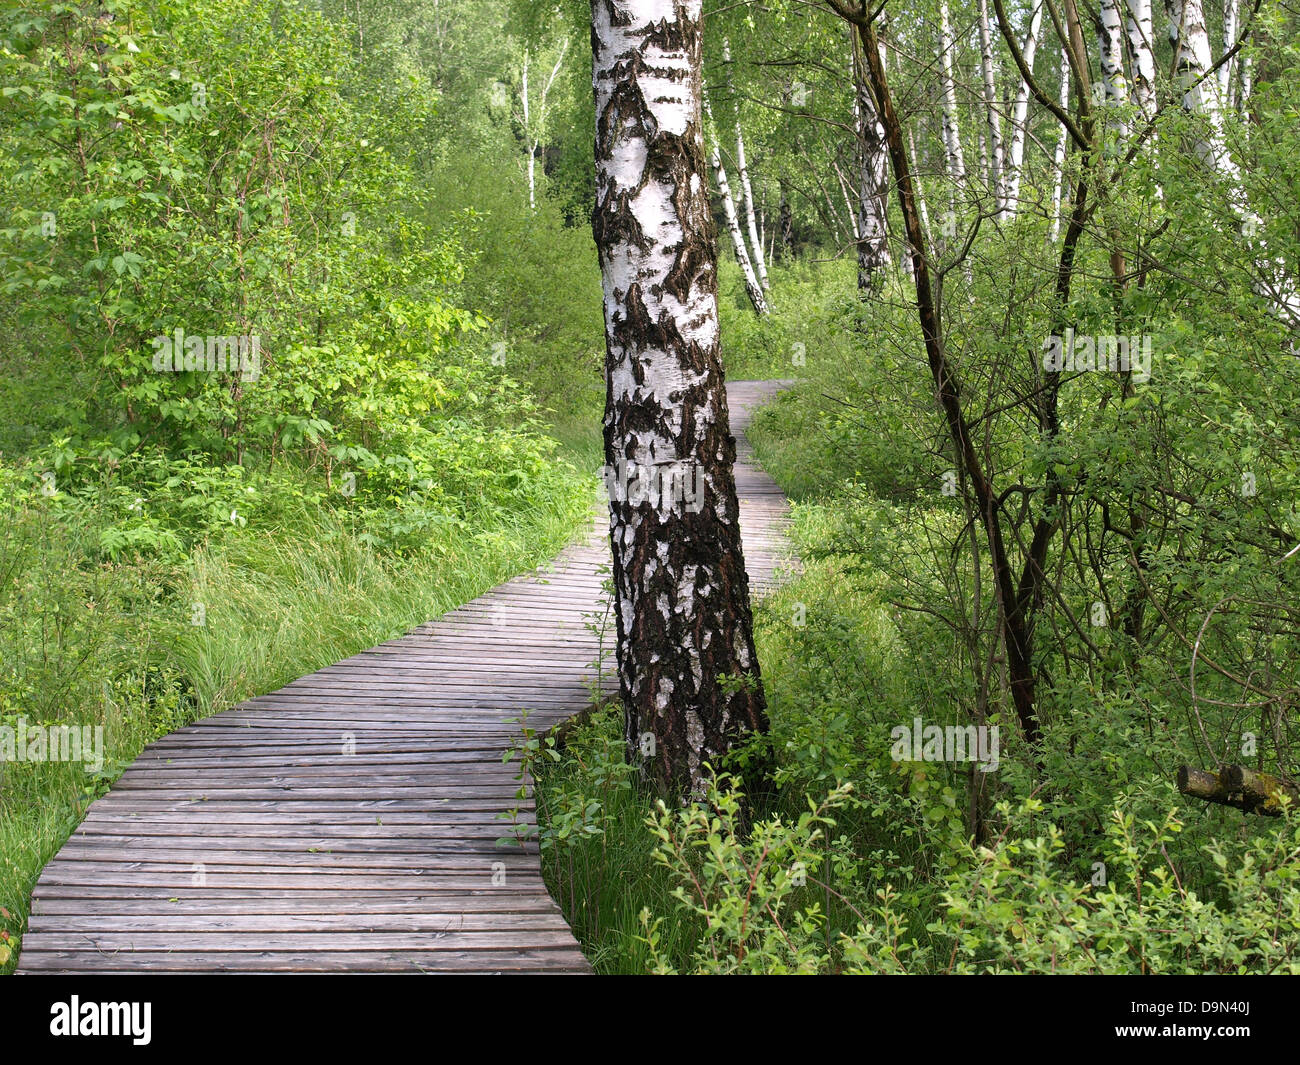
1015,160
991,106
1140,29
873,171
755,240
1110,47
1058,156
533,134
1224,73
1191,43
747,192
951,127
687,666
752,286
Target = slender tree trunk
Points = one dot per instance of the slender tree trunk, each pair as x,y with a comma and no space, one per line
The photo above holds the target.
1015,160
687,665
873,176
1191,43
922,209
951,126
1110,46
747,195
848,202
785,229
1141,44
991,106
751,220
532,151
1058,156
1016,633
1224,73
752,287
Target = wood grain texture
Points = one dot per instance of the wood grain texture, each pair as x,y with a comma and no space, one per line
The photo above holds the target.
353,820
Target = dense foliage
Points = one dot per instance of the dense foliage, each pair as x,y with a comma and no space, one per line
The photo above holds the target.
387,204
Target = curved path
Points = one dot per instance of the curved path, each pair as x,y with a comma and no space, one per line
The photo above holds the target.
351,820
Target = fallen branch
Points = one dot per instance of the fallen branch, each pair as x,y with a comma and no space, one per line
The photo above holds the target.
1241,788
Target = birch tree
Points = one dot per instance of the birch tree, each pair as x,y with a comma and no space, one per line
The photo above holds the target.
534,118
747,195
1010,200
1110,45
1058,153
752,287
1191,44
951,127
1224,73
1140,30
688,670
873,176
991,105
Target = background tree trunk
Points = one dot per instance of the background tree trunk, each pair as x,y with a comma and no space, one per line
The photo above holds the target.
752,286
1010,202
873,176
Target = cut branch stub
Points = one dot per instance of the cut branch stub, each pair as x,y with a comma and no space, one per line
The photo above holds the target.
1241,788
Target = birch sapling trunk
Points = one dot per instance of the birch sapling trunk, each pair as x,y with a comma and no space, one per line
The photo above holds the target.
991,104
688,670
951,127
1110,45
747,193
1140,29
1224,73
752,287
751,217
1015,159
1058,155
873,177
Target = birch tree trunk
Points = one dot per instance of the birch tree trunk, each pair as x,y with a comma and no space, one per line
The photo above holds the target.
848,202
532,151
873,170
1224,73
681,592
752,287
1058,156
1191,44
751,220
1010,202
991,105
951,127
533,132
1141,43
1110,46
747,194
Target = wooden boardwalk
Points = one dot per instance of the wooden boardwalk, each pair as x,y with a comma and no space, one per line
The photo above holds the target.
349,822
